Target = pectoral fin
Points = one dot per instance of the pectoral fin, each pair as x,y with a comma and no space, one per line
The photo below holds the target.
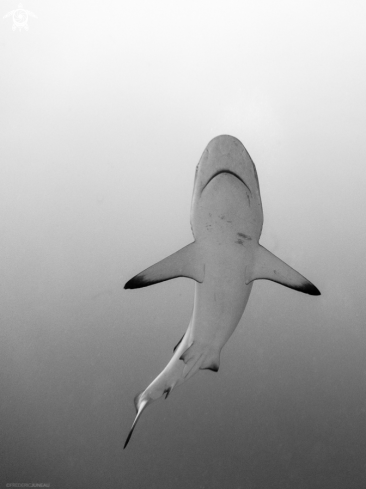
268,266
186,262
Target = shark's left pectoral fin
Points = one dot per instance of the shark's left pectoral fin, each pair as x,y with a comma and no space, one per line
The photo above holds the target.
268,266
186,262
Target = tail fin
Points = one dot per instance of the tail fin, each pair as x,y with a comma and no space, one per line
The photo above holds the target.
163,384
140,405
174,374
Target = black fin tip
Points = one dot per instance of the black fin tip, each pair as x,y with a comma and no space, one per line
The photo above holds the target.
141,281
129,437
136,282
309,288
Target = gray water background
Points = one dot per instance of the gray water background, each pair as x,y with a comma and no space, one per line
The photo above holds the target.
105,109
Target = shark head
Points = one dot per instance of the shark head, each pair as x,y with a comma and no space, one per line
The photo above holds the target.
225,154
226,172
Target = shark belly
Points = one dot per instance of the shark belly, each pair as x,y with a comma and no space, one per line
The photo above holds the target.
226,225
218,307
219,304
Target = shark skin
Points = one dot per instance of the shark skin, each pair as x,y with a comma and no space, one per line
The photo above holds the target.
224,260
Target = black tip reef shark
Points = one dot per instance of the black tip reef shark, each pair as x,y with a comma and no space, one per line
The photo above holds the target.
224,260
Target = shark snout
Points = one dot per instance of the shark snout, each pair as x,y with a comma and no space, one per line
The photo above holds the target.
225,154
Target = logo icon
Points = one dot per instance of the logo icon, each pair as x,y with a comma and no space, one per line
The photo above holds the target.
20,17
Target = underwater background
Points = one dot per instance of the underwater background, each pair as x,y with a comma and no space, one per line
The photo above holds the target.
105,110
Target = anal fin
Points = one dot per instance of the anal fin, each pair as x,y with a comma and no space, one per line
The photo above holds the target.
186,262
212,361
268,266
195,357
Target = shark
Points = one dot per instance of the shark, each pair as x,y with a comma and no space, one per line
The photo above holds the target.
224,260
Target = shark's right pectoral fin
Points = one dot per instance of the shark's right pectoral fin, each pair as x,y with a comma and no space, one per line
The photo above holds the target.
186,262
268,266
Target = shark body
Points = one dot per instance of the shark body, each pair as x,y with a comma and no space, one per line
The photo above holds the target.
224,260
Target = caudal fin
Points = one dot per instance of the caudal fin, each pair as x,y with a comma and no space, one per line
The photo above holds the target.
163,384
140,404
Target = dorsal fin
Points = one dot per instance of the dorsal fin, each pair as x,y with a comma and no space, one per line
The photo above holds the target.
179,342
268,266
186,262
